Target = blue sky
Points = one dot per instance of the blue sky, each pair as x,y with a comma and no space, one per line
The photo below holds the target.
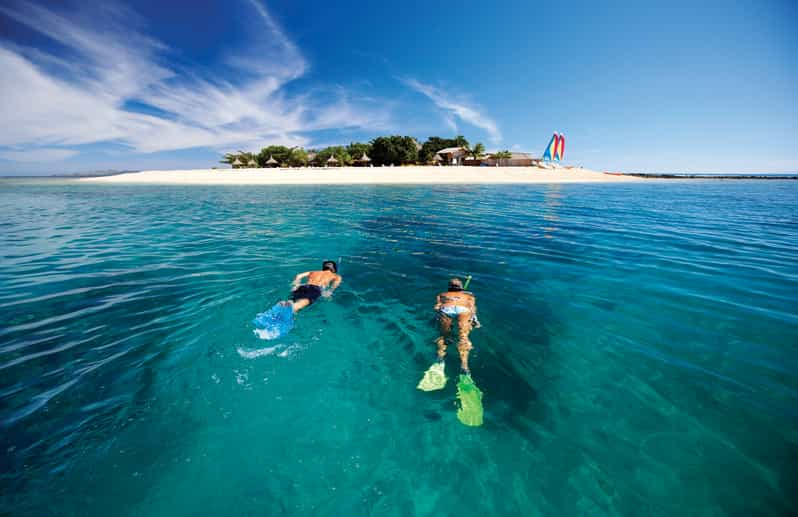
634,86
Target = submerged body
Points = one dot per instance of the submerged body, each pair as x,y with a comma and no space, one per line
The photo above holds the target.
305,294
456,306
279,320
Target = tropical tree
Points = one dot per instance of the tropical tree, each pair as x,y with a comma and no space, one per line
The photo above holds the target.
460,141
298,157
436,143
280,153
476,152
242,156
395,150
229,158
338,151
501,156
357,149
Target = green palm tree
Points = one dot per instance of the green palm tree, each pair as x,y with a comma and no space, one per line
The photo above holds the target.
476,152
503,155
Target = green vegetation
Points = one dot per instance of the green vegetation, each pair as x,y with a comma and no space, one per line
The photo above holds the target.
243,157
339,152
476,152
394,150
436,143
356,150
280,153
503,155
383,150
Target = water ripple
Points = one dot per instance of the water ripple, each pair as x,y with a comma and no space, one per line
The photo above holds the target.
626,328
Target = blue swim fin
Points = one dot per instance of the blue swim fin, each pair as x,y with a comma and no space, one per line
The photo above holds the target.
276,322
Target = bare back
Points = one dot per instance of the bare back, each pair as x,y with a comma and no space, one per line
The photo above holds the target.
456,298
322,278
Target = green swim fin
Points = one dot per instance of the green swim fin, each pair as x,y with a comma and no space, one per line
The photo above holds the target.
469,407
434,378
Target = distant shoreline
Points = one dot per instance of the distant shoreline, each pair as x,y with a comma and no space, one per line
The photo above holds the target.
422,175
390,175
706,176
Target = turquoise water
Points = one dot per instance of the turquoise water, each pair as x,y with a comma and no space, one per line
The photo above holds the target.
638,356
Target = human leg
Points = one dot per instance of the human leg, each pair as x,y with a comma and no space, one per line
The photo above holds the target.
445,327
300,304
464,345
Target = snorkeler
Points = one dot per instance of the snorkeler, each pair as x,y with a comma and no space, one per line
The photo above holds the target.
458,305
279,320
307,293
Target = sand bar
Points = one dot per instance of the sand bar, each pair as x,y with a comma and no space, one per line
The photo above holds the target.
366,175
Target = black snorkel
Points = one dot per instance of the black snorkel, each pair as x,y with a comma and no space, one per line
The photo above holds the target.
325,266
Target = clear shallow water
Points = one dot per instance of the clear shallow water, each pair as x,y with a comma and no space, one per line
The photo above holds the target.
639,350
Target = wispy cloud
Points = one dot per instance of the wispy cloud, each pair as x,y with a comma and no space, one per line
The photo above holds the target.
111,65
42,154
456,107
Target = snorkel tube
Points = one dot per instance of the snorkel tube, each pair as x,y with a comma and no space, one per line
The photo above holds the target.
468,281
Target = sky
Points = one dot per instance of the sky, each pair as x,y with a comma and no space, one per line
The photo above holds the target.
634,86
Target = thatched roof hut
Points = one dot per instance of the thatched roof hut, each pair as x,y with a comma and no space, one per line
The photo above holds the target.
271,162
252,163
237,163
332,161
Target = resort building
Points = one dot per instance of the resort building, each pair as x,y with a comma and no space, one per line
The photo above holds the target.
332,162
516,160
237,163
271,162
451,156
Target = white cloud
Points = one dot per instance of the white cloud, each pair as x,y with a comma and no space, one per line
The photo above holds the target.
82,98
459,108
42,154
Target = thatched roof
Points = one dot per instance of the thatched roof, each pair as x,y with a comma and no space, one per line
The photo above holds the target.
332,159
271,160
437,158
252,163
452,150
237,161
365,158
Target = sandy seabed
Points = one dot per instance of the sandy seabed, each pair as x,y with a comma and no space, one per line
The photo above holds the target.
366,175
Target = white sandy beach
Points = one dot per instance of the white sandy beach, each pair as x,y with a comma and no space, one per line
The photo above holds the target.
366,175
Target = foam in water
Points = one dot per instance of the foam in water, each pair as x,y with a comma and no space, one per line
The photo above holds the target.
259,352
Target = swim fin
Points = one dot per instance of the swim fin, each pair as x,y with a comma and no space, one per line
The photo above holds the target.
276,322
434,378
469,407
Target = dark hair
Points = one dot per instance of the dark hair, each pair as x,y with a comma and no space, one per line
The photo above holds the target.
329,265
455,284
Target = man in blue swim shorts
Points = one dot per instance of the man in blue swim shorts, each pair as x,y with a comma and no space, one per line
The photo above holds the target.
307,293
461,306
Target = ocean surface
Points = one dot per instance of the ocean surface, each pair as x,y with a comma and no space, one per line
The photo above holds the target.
638,355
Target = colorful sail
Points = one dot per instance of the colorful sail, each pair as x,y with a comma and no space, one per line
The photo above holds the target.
560,148
548,154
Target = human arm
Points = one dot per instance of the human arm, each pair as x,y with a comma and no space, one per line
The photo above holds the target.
332,287
438,303
298,279
474,319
